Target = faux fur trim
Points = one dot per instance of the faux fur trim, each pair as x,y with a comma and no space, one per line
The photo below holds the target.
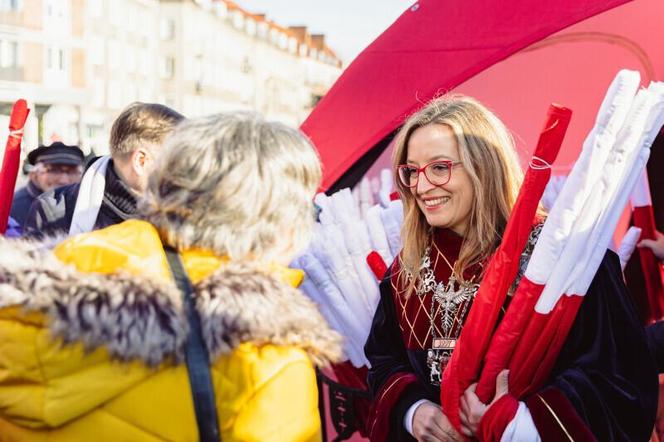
139,318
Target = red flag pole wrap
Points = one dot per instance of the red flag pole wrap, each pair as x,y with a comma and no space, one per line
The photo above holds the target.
644,218
10,163
531,372
464,365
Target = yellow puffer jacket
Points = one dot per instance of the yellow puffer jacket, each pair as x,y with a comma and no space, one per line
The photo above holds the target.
93,350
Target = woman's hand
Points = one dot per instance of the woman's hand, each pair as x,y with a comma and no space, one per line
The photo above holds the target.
656,245
430,424
472,409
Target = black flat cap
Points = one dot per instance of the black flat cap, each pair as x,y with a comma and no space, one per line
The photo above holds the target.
57,153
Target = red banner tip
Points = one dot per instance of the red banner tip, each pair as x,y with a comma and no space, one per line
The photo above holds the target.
19,114
377,264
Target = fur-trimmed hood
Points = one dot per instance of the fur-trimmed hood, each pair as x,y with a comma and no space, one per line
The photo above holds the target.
140,318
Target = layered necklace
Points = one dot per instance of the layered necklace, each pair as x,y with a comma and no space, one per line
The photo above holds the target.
449,302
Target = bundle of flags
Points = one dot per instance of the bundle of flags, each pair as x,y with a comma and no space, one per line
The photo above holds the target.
502,269
653,273
339,278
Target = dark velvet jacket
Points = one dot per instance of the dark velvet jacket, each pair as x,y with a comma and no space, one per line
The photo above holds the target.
604,385
52,212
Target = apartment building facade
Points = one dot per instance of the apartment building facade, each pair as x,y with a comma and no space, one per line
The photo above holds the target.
79,62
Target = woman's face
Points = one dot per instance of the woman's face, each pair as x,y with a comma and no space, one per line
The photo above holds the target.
449,205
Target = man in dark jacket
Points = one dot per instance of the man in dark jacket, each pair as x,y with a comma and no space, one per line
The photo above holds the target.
111,185
50,167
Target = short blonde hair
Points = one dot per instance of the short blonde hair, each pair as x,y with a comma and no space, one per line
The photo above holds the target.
487,152
141,123
234,184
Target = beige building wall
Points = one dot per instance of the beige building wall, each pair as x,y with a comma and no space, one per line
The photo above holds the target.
33,67
228,59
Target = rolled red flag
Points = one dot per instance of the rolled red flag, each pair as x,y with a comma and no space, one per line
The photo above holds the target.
470,349
377,265
644,218
11,160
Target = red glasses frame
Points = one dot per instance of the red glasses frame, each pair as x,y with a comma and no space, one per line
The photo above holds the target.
449,163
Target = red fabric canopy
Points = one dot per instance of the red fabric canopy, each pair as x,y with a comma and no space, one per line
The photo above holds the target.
433,47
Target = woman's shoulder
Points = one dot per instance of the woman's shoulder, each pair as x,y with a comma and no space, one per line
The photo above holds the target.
241,305
133,246
263,361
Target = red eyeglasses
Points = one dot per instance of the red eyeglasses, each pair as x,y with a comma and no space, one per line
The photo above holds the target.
438,173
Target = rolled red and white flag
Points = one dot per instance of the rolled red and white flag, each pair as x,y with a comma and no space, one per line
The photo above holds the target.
558,228
644,218
11,160
628,245
554,313
466,359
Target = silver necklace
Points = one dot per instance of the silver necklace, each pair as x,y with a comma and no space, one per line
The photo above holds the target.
452,300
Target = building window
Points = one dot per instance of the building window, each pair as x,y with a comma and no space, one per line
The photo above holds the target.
114,55
99,93
292,45
238,20
221,9
251,27
263,30
130,58
8,54
145,61
55,59
61,60
283,41
167,30
97,51
115,95
55,10
10,5
167,67
96,8
116,13
246,67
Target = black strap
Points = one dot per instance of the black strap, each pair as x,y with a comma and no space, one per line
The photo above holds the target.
196,355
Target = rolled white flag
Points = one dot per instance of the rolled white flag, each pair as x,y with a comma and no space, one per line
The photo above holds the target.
338,277
628,245
583,177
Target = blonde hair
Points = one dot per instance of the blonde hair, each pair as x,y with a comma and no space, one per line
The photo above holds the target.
487,152
236,185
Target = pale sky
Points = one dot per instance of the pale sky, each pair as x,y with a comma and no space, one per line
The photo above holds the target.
349,25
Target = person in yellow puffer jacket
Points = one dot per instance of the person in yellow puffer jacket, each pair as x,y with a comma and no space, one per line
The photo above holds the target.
92,335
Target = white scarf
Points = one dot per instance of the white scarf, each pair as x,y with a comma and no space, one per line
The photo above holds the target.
90,196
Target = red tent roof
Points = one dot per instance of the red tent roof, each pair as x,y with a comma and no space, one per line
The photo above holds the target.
433,47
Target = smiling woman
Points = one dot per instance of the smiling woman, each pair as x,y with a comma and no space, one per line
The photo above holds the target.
478,195
458,178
